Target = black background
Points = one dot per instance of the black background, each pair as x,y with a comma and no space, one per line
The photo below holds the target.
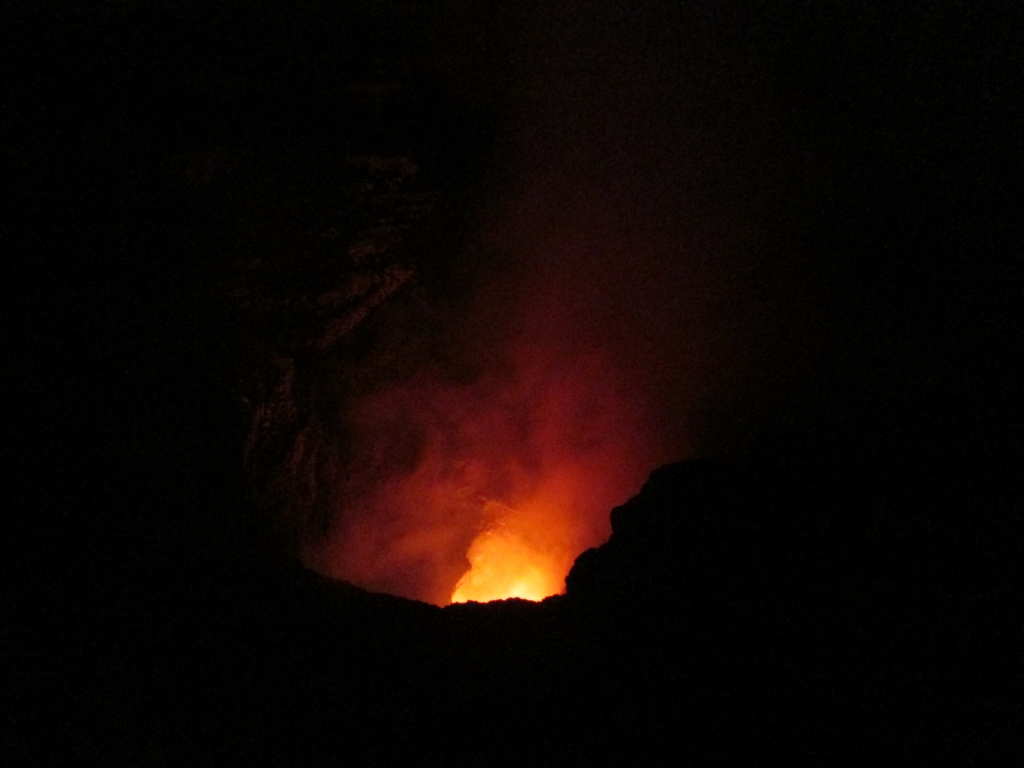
872,436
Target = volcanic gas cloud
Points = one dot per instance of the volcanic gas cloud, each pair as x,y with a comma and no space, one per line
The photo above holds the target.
582,358
491,487
611,325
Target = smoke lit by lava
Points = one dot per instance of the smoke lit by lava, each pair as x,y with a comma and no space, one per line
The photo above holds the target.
491,487
615,314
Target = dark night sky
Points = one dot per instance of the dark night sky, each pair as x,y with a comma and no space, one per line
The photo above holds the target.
804,215
813,206
793,227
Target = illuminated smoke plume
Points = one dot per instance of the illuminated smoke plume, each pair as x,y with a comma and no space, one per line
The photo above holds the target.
614,319
512,473
489,485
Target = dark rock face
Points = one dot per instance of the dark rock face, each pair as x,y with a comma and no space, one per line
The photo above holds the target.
703,630
682,512
778,629
183,169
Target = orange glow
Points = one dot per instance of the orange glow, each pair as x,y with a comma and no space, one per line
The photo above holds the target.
482,474
485,490
506,562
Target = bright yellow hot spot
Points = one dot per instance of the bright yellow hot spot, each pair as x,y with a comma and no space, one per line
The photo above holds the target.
503,565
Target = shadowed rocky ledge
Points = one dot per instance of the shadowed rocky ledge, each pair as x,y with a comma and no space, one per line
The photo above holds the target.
198,190
717,624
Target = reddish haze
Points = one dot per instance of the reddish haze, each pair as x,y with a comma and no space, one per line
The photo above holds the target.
615,321
586,370
515,471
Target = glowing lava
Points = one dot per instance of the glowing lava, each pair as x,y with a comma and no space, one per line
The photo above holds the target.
482,490
503,564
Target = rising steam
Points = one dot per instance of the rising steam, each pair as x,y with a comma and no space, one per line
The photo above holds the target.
612,322
494,486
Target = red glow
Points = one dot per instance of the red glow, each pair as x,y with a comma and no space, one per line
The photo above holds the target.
490,489
486,477
489,485
600,306
509,560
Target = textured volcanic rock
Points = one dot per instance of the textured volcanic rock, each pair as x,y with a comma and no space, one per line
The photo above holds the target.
704,629
205,203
